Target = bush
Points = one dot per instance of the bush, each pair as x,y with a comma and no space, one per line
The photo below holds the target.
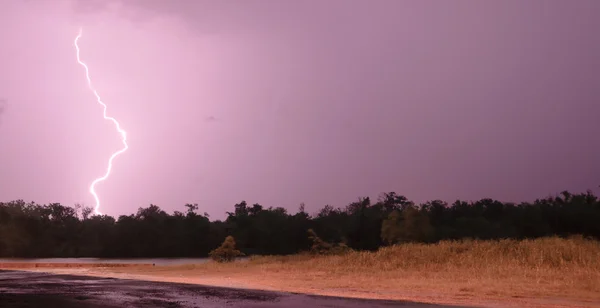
410,225
226,252
320,247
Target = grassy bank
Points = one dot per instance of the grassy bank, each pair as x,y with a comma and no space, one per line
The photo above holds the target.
546,267
545,254
541,272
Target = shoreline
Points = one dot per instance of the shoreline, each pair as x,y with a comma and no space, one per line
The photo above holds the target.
259,281
25,289
24,265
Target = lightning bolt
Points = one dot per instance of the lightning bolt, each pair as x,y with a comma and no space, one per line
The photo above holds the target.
117,125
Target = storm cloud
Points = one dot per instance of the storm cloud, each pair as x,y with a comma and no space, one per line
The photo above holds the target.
321,101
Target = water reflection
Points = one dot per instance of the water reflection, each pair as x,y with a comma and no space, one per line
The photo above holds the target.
156,261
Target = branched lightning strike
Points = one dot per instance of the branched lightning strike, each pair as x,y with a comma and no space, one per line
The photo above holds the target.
117,125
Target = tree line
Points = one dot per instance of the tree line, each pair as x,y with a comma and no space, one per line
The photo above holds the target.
54,230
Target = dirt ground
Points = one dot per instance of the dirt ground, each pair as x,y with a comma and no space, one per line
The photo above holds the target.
22,289
434,290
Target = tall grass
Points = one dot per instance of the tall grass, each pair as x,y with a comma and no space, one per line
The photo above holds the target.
474,255
544,267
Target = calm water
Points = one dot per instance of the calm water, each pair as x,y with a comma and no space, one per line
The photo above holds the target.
175,261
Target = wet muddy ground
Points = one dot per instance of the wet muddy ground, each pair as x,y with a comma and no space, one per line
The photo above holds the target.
29,289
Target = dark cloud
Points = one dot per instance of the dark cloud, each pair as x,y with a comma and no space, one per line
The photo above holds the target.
146,10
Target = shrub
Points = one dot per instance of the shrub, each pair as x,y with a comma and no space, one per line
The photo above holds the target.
410,225
226,252
320,247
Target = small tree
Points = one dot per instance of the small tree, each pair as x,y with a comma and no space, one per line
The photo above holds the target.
226,252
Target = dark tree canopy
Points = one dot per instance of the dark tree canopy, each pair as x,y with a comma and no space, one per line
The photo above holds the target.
55,230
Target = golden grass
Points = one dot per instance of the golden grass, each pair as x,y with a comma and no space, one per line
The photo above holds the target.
546,267
498,259
536,273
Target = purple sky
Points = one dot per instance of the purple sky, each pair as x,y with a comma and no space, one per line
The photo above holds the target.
283,102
